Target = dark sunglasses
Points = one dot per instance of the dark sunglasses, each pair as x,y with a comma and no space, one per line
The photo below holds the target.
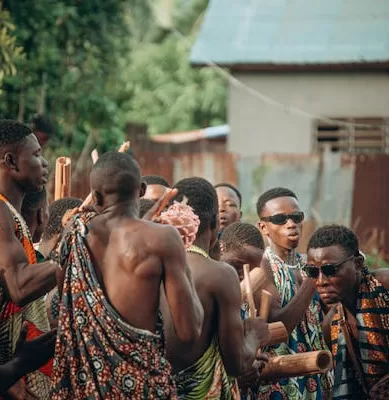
327,269
282,219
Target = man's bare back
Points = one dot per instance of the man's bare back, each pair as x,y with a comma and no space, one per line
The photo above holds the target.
128,258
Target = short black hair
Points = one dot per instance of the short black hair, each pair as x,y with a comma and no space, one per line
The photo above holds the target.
335,235
233,188
272,194
144,206
57,210
239,234
41,123
116,173
202,198
12,132
155,180
33,201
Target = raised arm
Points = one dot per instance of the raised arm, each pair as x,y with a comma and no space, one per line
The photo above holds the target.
237,346
294,311
185,308
23,282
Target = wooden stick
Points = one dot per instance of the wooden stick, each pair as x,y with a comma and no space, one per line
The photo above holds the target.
265,305
258,280
311,363
278,333
95,156
122,149
250,298
62,177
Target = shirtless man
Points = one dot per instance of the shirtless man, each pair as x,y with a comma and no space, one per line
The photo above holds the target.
204,366
157,186
22,170
110,343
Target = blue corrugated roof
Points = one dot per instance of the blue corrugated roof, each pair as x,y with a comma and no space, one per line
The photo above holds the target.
293,32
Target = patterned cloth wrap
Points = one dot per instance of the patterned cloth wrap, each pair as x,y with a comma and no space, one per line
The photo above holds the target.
207,378
372,348
97,354
307,336
13,316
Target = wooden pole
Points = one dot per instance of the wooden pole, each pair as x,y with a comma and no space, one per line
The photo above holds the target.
62,177
311,363
258,280
278,333
264,312
249,292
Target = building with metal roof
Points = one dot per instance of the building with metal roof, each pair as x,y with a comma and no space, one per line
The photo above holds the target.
297,64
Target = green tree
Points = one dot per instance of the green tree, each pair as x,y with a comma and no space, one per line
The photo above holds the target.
10,53
163,90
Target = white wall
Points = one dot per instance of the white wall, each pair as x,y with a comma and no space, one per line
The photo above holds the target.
257,127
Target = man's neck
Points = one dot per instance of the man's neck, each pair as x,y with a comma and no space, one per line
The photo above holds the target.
203,241
350,300
11,191
286,255
122,209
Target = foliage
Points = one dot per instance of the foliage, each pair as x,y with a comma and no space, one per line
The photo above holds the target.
9,51
96,65
374,261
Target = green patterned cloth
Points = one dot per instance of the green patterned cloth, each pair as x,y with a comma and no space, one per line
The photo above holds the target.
207,378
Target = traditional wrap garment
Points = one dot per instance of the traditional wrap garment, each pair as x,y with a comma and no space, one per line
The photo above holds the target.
307,336
372,347
207,378
13,316
97,354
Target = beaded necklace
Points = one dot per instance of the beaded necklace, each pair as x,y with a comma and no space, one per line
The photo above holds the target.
198,250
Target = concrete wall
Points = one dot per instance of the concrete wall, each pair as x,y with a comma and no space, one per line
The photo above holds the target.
258,127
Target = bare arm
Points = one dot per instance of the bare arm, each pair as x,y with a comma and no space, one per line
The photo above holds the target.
294,311
185,308
238,345
23,282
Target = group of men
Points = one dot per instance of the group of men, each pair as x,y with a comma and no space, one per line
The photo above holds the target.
139,315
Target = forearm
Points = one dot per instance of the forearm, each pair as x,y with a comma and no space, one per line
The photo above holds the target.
32,282
293,312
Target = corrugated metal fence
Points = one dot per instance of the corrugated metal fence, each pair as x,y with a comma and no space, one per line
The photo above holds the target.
332,187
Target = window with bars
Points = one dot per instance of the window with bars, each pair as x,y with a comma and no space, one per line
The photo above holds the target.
368,135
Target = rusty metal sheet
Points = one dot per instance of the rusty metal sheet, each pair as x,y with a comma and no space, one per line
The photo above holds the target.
335,189
370,211
211,166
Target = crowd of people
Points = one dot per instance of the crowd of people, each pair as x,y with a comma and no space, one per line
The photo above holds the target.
138,296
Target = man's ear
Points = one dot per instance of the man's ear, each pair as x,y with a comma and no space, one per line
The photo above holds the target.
10,161
240,217
97,198
359,262
262,227
143,187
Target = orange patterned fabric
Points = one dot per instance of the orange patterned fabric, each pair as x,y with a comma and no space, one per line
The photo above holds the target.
372,344
12,316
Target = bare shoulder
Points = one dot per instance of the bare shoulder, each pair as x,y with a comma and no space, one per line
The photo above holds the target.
383,276
6,221
224,277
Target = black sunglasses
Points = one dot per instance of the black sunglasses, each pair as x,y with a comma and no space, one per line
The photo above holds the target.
282,219
327,269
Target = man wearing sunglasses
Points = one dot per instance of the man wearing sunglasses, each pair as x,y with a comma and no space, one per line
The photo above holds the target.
357,325
295,301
